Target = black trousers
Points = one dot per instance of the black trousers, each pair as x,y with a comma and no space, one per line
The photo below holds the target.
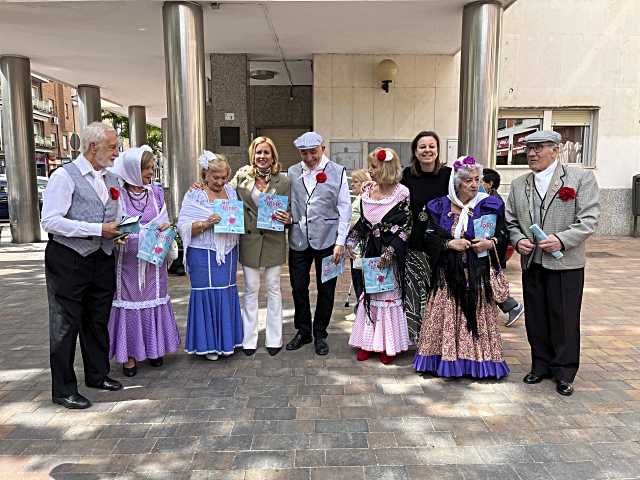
552,301
508,305
80,291
299,273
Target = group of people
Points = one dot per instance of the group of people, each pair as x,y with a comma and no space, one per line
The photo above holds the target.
420,221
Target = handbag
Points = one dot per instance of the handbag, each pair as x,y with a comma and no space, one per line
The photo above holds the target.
497,278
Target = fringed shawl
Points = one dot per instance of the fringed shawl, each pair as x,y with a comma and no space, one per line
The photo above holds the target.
466,275
392,231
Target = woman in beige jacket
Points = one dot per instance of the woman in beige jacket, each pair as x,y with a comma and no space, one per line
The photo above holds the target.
261,249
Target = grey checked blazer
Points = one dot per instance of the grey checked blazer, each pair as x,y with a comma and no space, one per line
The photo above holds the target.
572,221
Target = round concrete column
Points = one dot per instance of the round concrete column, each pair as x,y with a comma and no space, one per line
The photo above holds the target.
137,125
185,76
481,24
19,146
90,109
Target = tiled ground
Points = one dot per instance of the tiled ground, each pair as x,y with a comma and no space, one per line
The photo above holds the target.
300,416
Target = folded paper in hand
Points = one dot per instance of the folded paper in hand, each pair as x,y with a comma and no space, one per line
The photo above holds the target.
130,225
540,235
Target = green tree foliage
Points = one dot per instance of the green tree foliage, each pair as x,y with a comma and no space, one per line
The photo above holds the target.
121,124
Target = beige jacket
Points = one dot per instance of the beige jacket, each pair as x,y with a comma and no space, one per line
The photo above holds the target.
259,248
572,221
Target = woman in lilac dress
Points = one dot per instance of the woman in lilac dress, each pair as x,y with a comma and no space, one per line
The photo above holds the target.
459,334
142,324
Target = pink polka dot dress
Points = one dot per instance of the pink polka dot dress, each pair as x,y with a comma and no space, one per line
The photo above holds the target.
386,331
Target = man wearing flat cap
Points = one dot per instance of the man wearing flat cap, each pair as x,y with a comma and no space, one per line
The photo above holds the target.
320,218
564,202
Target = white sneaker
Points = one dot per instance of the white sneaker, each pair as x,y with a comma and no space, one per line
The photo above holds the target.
211,356
514,314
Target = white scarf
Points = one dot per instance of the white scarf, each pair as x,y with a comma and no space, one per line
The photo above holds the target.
194,209
128,166
543,178
466,209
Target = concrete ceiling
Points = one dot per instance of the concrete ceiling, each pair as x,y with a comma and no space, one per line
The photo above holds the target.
118,45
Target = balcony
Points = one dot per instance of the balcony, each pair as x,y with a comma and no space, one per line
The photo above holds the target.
44,106
43,142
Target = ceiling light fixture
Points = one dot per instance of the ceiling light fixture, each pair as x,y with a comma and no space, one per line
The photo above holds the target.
263,74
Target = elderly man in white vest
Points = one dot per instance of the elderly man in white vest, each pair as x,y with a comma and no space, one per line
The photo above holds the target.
320,218
79,212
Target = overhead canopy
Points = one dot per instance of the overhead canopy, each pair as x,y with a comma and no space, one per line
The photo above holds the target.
118,45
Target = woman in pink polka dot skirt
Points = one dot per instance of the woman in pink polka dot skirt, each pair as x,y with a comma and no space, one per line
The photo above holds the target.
382,231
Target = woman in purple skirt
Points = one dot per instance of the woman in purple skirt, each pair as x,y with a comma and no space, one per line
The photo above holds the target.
142,324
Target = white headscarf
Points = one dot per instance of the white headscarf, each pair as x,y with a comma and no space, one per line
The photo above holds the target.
466,209
128,166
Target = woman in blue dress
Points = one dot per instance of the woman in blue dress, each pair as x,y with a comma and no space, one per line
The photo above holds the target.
214,322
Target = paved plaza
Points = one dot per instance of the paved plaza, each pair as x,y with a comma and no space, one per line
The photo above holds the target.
301,416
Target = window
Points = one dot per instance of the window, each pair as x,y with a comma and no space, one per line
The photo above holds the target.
54,139
38,129
65,142
36,91
66,112
575,126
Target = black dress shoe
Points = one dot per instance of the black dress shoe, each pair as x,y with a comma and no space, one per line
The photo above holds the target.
564,388
273,351
322,347
156,362
298,341
532,378
74,402
130,371
107,384
249,351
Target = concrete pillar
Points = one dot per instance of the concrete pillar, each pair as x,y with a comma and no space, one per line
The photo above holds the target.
19,146
185,76
90,109
481,25
164,170
137,125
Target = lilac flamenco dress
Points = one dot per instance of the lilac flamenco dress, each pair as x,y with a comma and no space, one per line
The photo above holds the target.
142,324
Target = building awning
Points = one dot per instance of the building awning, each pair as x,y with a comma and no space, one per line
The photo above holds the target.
119,45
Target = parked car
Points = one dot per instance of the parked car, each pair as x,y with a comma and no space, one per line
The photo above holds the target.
4,200
4,197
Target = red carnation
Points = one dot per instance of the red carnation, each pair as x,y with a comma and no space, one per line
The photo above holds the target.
115,193
567,193
321,177
381,155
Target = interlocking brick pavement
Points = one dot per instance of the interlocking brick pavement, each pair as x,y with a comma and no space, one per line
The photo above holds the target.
301,416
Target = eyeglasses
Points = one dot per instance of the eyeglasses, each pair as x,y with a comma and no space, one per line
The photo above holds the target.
537,147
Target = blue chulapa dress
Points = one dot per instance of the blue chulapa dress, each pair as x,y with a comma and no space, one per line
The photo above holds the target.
214,321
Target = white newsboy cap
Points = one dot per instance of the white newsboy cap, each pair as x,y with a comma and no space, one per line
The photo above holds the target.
308,140
542,136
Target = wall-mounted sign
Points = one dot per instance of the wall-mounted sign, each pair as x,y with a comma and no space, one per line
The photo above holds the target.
229,117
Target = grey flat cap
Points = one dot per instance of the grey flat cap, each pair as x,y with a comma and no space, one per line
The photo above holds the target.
542,136
308,140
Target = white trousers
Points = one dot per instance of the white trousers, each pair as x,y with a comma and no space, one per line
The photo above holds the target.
274,307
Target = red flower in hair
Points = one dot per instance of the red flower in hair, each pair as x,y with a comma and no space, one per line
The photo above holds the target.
115,193
567,193
321,177
381,155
